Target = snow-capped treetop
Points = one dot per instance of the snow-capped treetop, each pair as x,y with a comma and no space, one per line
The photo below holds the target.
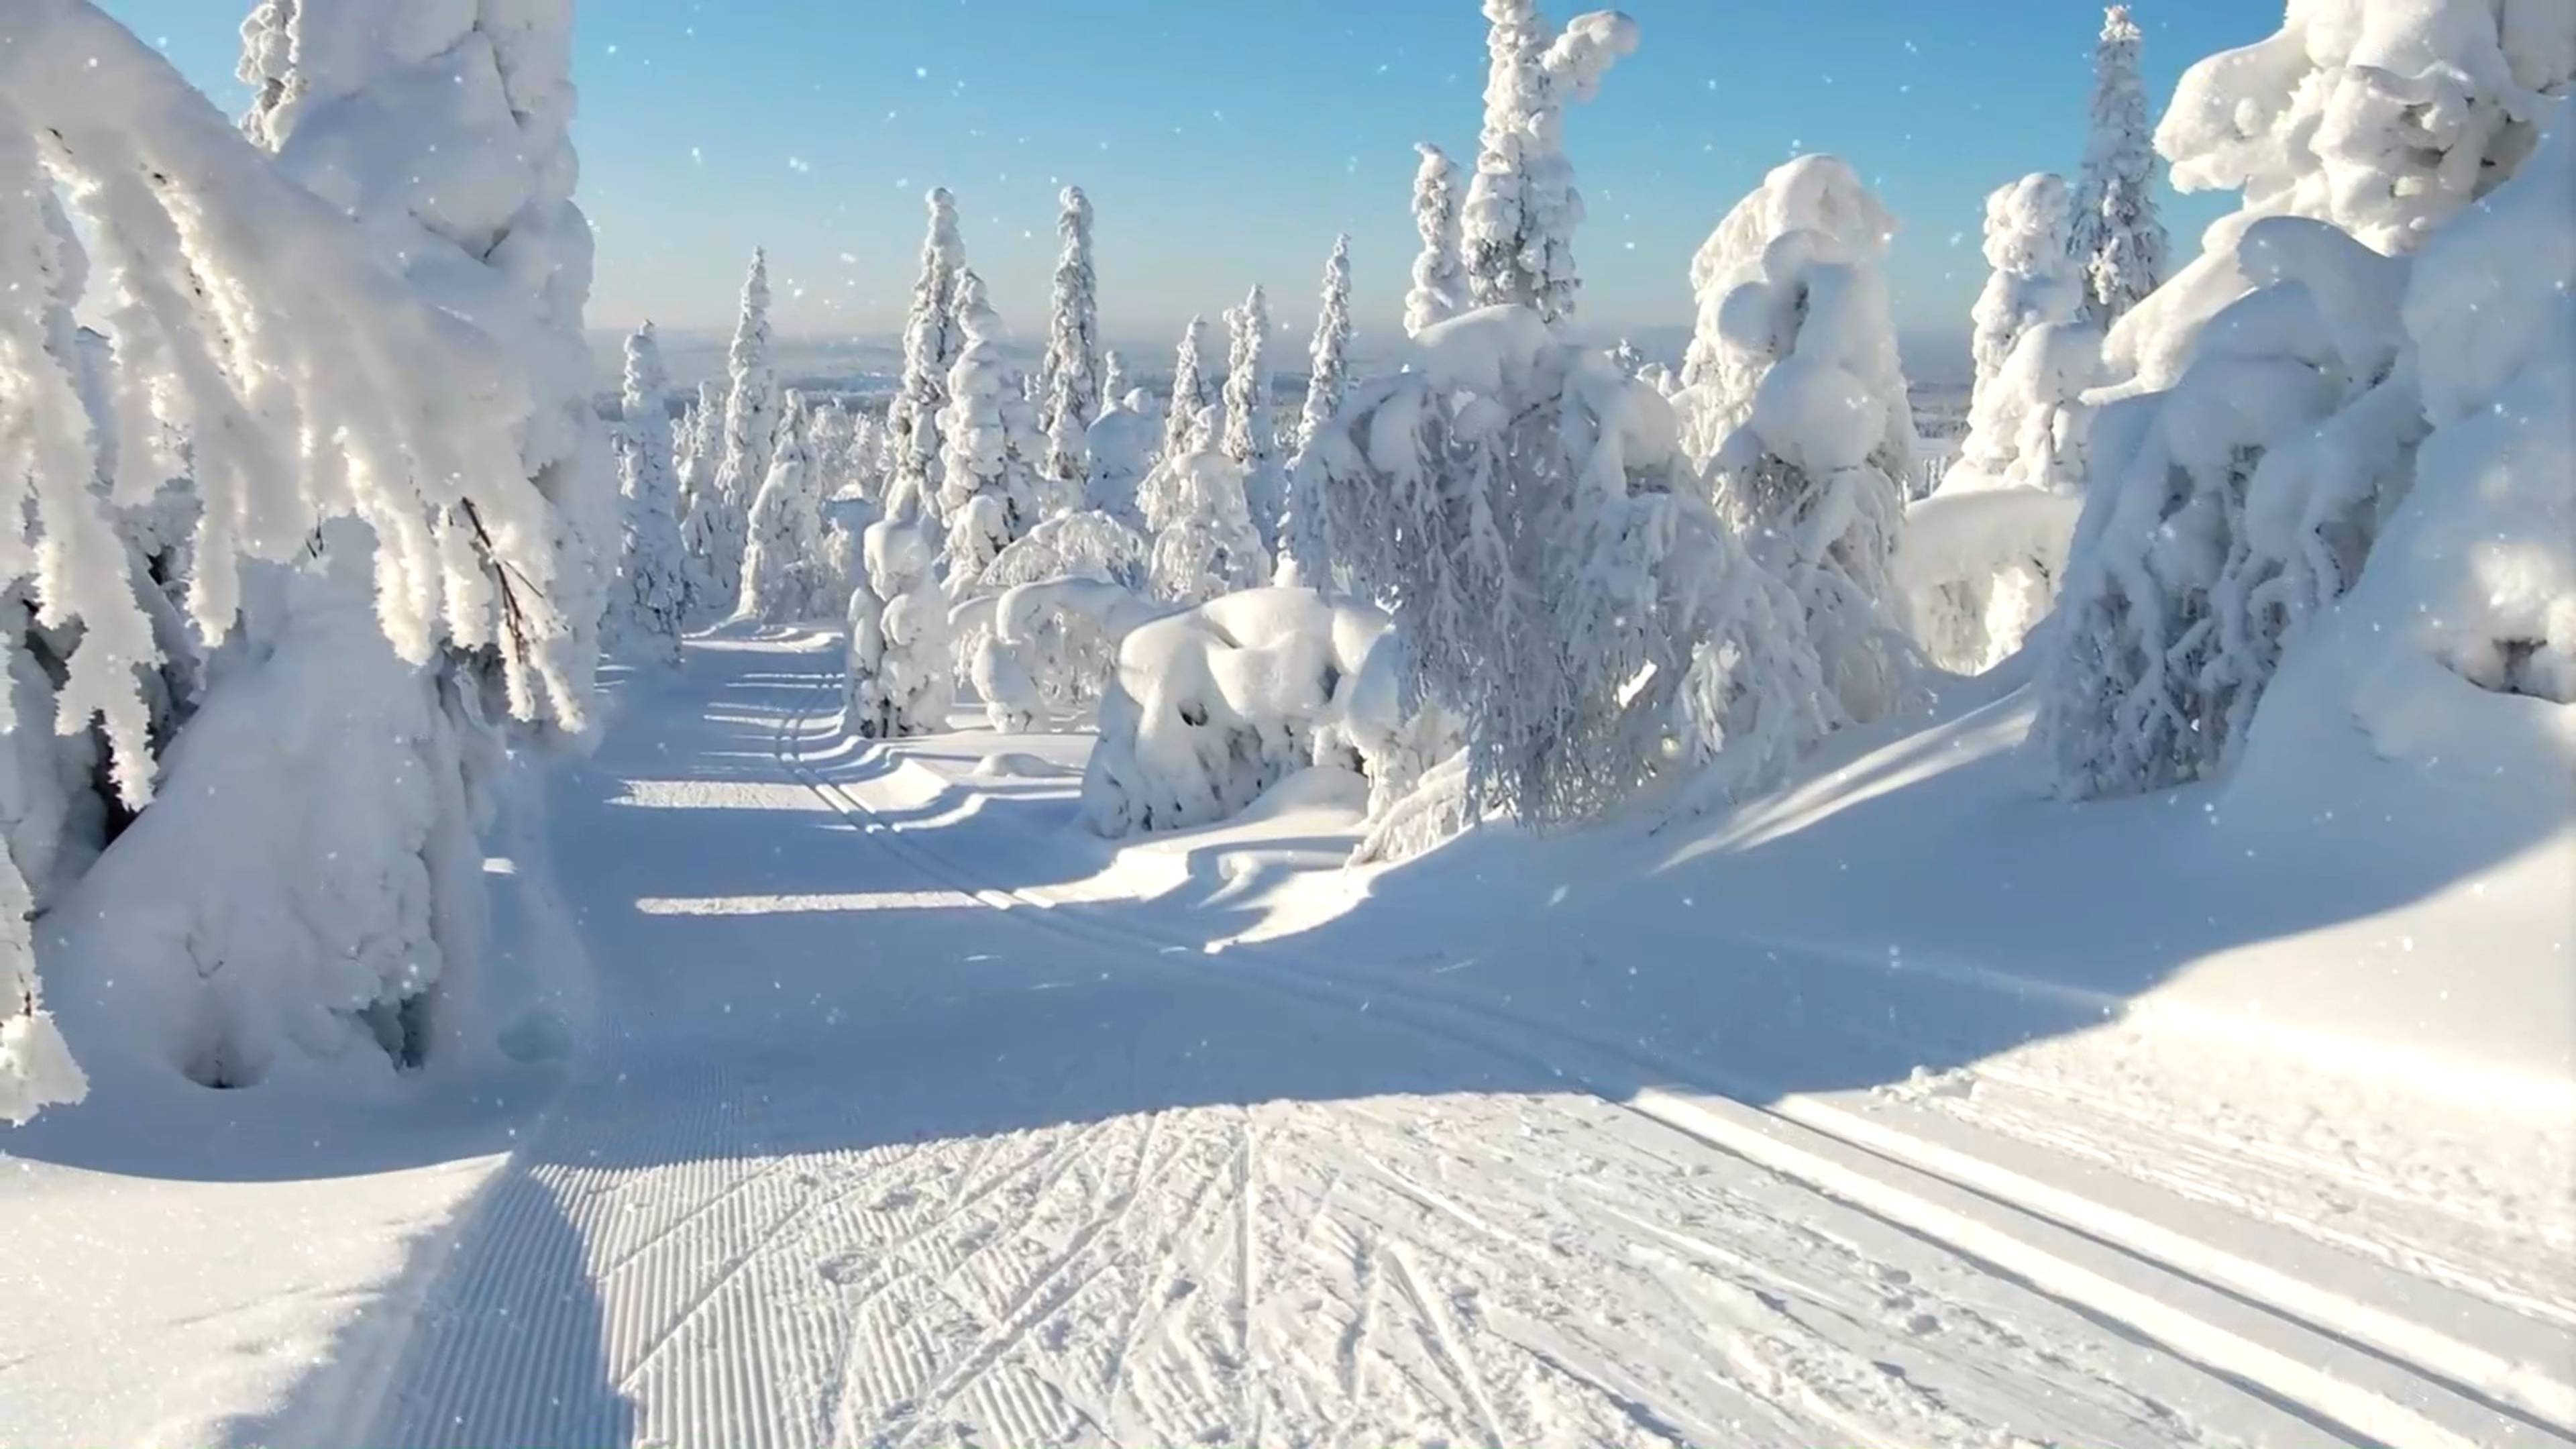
1819,194
2383,117
1439,277
1122,452
989,443
2034,280
751,424
931,342
1522,207
1069,380
1113,377
2118,242
1328,372
645,392
652,592
1192,390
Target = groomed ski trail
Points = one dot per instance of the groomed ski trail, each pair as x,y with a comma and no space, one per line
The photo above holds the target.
871,1153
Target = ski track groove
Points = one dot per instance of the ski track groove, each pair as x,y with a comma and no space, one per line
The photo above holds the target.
1030,1301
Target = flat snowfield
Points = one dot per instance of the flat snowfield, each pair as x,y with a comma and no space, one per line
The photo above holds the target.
919,1117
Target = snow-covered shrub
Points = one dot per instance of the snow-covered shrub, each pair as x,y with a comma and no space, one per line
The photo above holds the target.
2033,283
2117,243
1213,706
1563,589
751,427
988,491
783,569
900,676
1083,545
1193,393
1522,207
652,593
1251,435
1207,544
1439,276
1121,446
1818,194
1049,644
1069,383
932,340
1813,476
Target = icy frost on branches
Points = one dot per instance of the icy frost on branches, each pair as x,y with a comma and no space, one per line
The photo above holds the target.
1439,277
2033,283
1522,208
652,593
932,340
1070,382
1508,469
2117,243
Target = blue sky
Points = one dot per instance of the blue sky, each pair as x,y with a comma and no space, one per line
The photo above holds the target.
1224,142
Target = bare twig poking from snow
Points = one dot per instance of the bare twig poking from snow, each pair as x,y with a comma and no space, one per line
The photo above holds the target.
2117,242
1439,276
750,439
647,611
1522,208
931,342
1070,384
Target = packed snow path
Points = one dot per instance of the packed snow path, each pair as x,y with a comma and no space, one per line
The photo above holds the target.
870,1153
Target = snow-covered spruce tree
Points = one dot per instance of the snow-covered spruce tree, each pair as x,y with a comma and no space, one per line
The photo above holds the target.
646,610
931,342
2228,508
1207,544
1819,194
1560,584
1069,382
1328,371
1813,475
1113,377
1439,277
900,675
701,512
2116,241
1251,434
783,566
988,492
373,608
1122,446
1522,207
2033,282
751,424
1300,542
1193,391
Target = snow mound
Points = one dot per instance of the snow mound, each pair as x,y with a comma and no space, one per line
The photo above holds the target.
1212,707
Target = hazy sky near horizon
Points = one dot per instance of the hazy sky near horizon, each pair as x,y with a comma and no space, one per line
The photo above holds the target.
1225,142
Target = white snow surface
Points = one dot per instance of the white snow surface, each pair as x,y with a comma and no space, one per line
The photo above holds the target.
990,1130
